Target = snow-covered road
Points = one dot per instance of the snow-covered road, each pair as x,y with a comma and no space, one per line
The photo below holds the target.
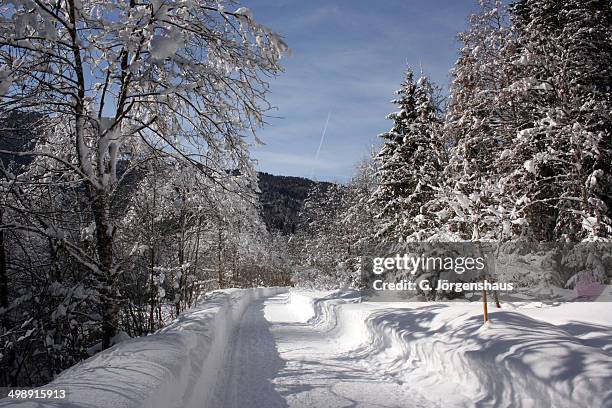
279,347
279,359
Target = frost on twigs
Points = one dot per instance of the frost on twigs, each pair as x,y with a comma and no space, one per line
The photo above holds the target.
124,93
152,71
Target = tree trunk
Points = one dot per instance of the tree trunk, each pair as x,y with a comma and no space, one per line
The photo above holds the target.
495,294
104,249
3,276
219,260
190,288
97,196
152,291
496,299
181,260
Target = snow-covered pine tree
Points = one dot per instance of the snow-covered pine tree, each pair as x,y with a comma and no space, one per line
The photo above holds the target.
409,162
476,118
561,150
357,212
357,219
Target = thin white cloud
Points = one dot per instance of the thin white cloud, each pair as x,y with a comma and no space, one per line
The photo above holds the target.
349,58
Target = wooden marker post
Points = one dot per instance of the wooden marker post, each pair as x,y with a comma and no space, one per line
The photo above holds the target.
485,312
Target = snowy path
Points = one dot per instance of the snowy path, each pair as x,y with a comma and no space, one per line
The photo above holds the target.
269,348
279,360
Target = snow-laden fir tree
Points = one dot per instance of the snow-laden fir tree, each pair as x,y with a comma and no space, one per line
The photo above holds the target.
559,157
409,163
473,208
358,214
357,221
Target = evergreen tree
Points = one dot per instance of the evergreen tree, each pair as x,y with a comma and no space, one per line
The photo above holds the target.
475,126
357,213
409,162
561,151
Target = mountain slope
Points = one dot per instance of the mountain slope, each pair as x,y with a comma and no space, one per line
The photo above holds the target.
281,199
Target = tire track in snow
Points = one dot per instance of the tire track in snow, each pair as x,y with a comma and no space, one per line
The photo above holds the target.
254,361
278,360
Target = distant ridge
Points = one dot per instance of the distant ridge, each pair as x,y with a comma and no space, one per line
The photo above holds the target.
282,198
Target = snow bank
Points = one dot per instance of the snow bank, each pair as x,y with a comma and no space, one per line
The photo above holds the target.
175,367
320,308
445,351
515,361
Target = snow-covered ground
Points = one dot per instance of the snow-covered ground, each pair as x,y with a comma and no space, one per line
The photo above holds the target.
176,367
268,348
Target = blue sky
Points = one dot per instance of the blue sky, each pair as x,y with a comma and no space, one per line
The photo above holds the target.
348,58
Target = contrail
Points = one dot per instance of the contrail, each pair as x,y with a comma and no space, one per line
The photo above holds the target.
320,144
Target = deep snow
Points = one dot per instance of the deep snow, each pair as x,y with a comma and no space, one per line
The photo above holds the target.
268,348
175,367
